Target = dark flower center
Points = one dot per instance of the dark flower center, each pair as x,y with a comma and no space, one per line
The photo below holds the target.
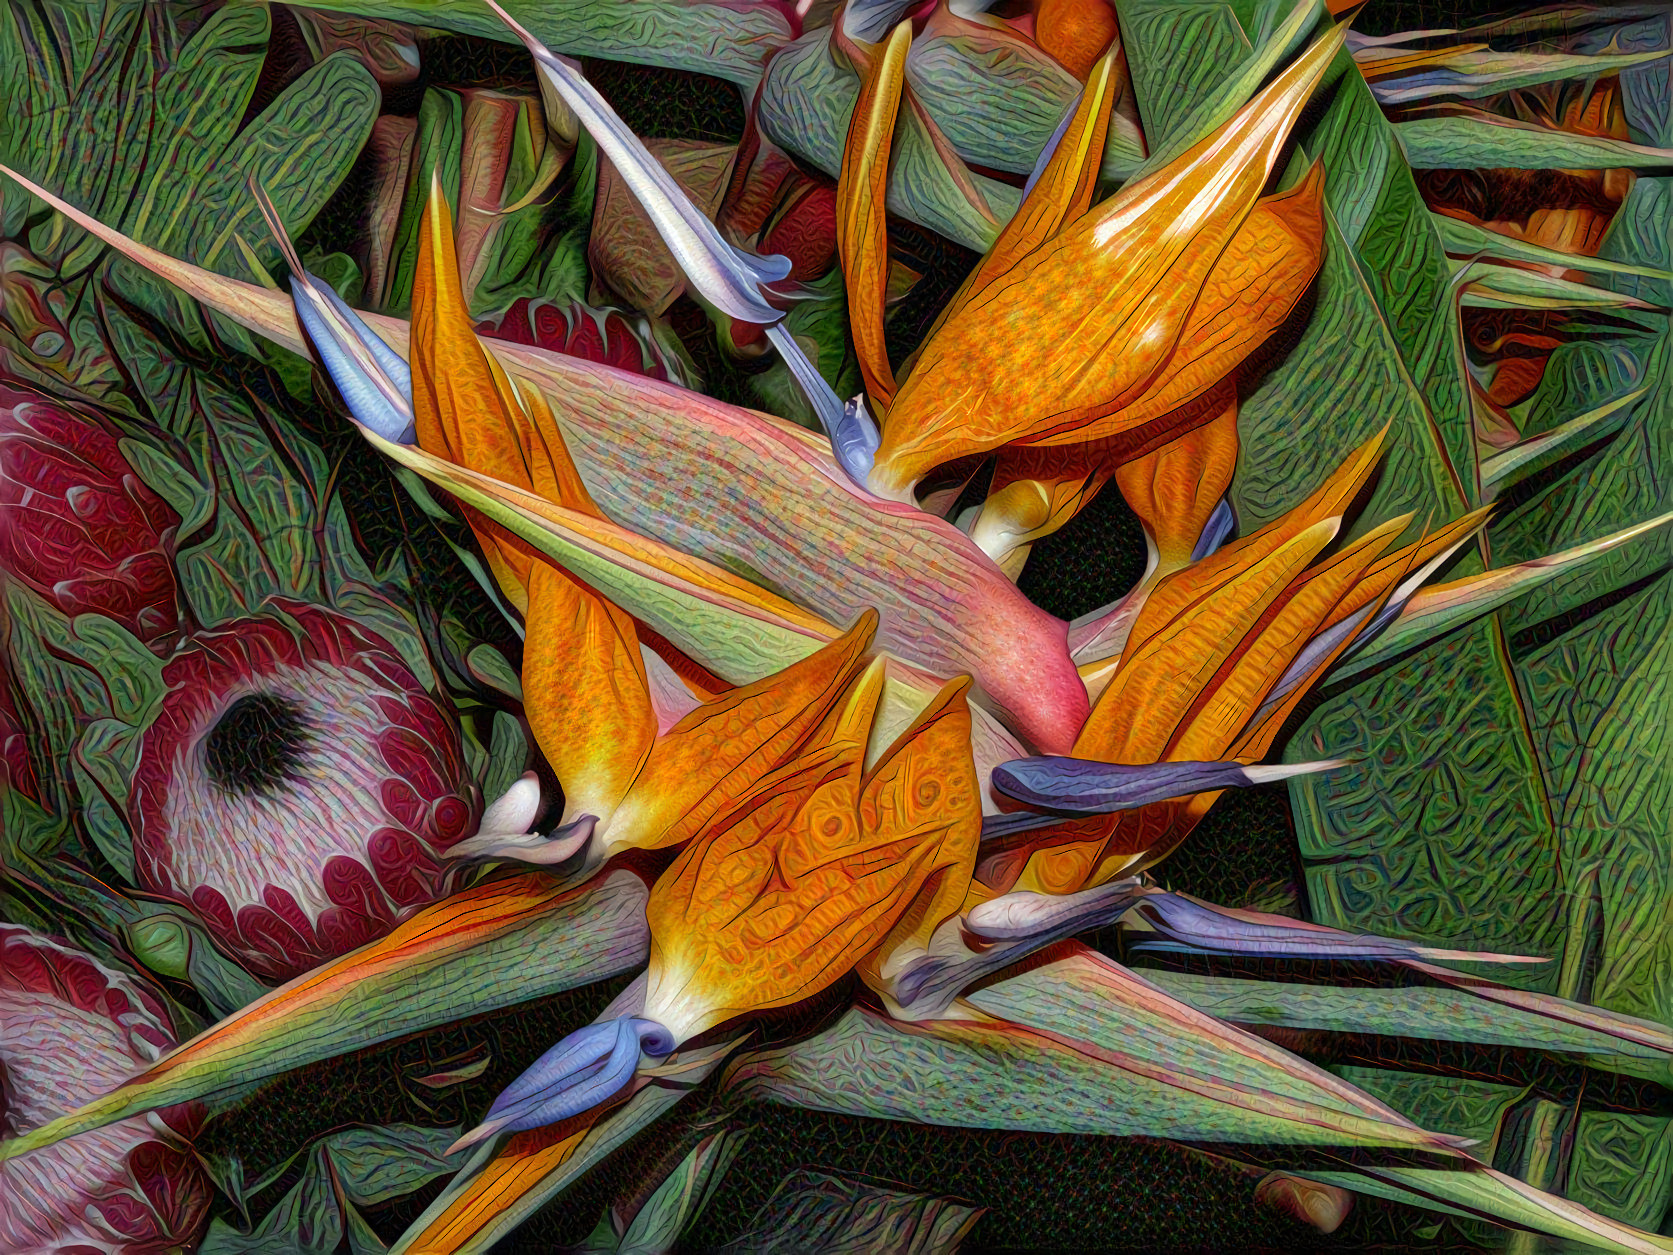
257,745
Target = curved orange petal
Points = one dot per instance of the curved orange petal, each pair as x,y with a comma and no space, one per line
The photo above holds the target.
1175,489
862,226
1081,326
1075,32
715,754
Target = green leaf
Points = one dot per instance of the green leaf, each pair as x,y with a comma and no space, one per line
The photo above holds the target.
298,150
1465,239
812,1211
677,1203
1089,1048
700,38
377,1163
493,946
436,152
1481,143
1622,1166
1472,73
308,1220
1179,55
1452,1104
1418,1012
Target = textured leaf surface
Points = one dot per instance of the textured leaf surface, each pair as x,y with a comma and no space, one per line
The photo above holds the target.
812,1211
1091,1049
478,951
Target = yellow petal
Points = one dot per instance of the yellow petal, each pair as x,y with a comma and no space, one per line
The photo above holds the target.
1082,326
717,753
862,226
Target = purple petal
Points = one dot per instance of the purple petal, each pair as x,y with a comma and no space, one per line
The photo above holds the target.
1183,924
580,1072
1220,525
1080,786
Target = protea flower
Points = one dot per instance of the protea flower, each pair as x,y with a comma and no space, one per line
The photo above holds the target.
70,1029
76,524
598,335
297,788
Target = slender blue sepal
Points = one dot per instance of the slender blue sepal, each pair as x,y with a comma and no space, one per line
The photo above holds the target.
580,1072
1077,786
1215,532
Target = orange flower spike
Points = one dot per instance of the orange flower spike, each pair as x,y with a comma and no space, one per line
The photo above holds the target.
862,228
1075,32
1253,288
461,404
1175,595
1138,263
926,785
717,752
782,894
1175,490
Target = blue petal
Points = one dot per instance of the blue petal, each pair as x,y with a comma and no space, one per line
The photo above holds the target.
372,405
578,1073
1220,525
1078,786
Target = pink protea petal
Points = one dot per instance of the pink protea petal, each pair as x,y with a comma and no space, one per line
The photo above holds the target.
71,1029
284,759
76,524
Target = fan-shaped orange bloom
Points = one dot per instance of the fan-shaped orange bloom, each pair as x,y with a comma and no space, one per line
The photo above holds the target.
817,866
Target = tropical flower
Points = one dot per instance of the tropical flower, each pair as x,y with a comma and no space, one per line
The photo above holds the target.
1133,309
70,1029
819,866
76,524
297,788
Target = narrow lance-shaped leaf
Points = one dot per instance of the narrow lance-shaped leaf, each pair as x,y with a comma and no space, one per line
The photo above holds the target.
480,950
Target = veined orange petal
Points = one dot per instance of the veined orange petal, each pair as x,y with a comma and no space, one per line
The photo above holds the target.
1163,674
926,786
1075,32
1062,193
1175,595
1217,718
1375,66
862,225
1175,489
767,909
1081,326
462,403
1251,290
1384,574
585,692
524,1160
716,753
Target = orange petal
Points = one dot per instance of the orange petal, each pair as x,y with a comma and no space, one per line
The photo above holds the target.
1075,32
1386,572
463,405
862,226
1175,595
1083,325
925,785
585,693
1250,292
1061,194
1164,673
1217,718
716,753
1175,489
526,1159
